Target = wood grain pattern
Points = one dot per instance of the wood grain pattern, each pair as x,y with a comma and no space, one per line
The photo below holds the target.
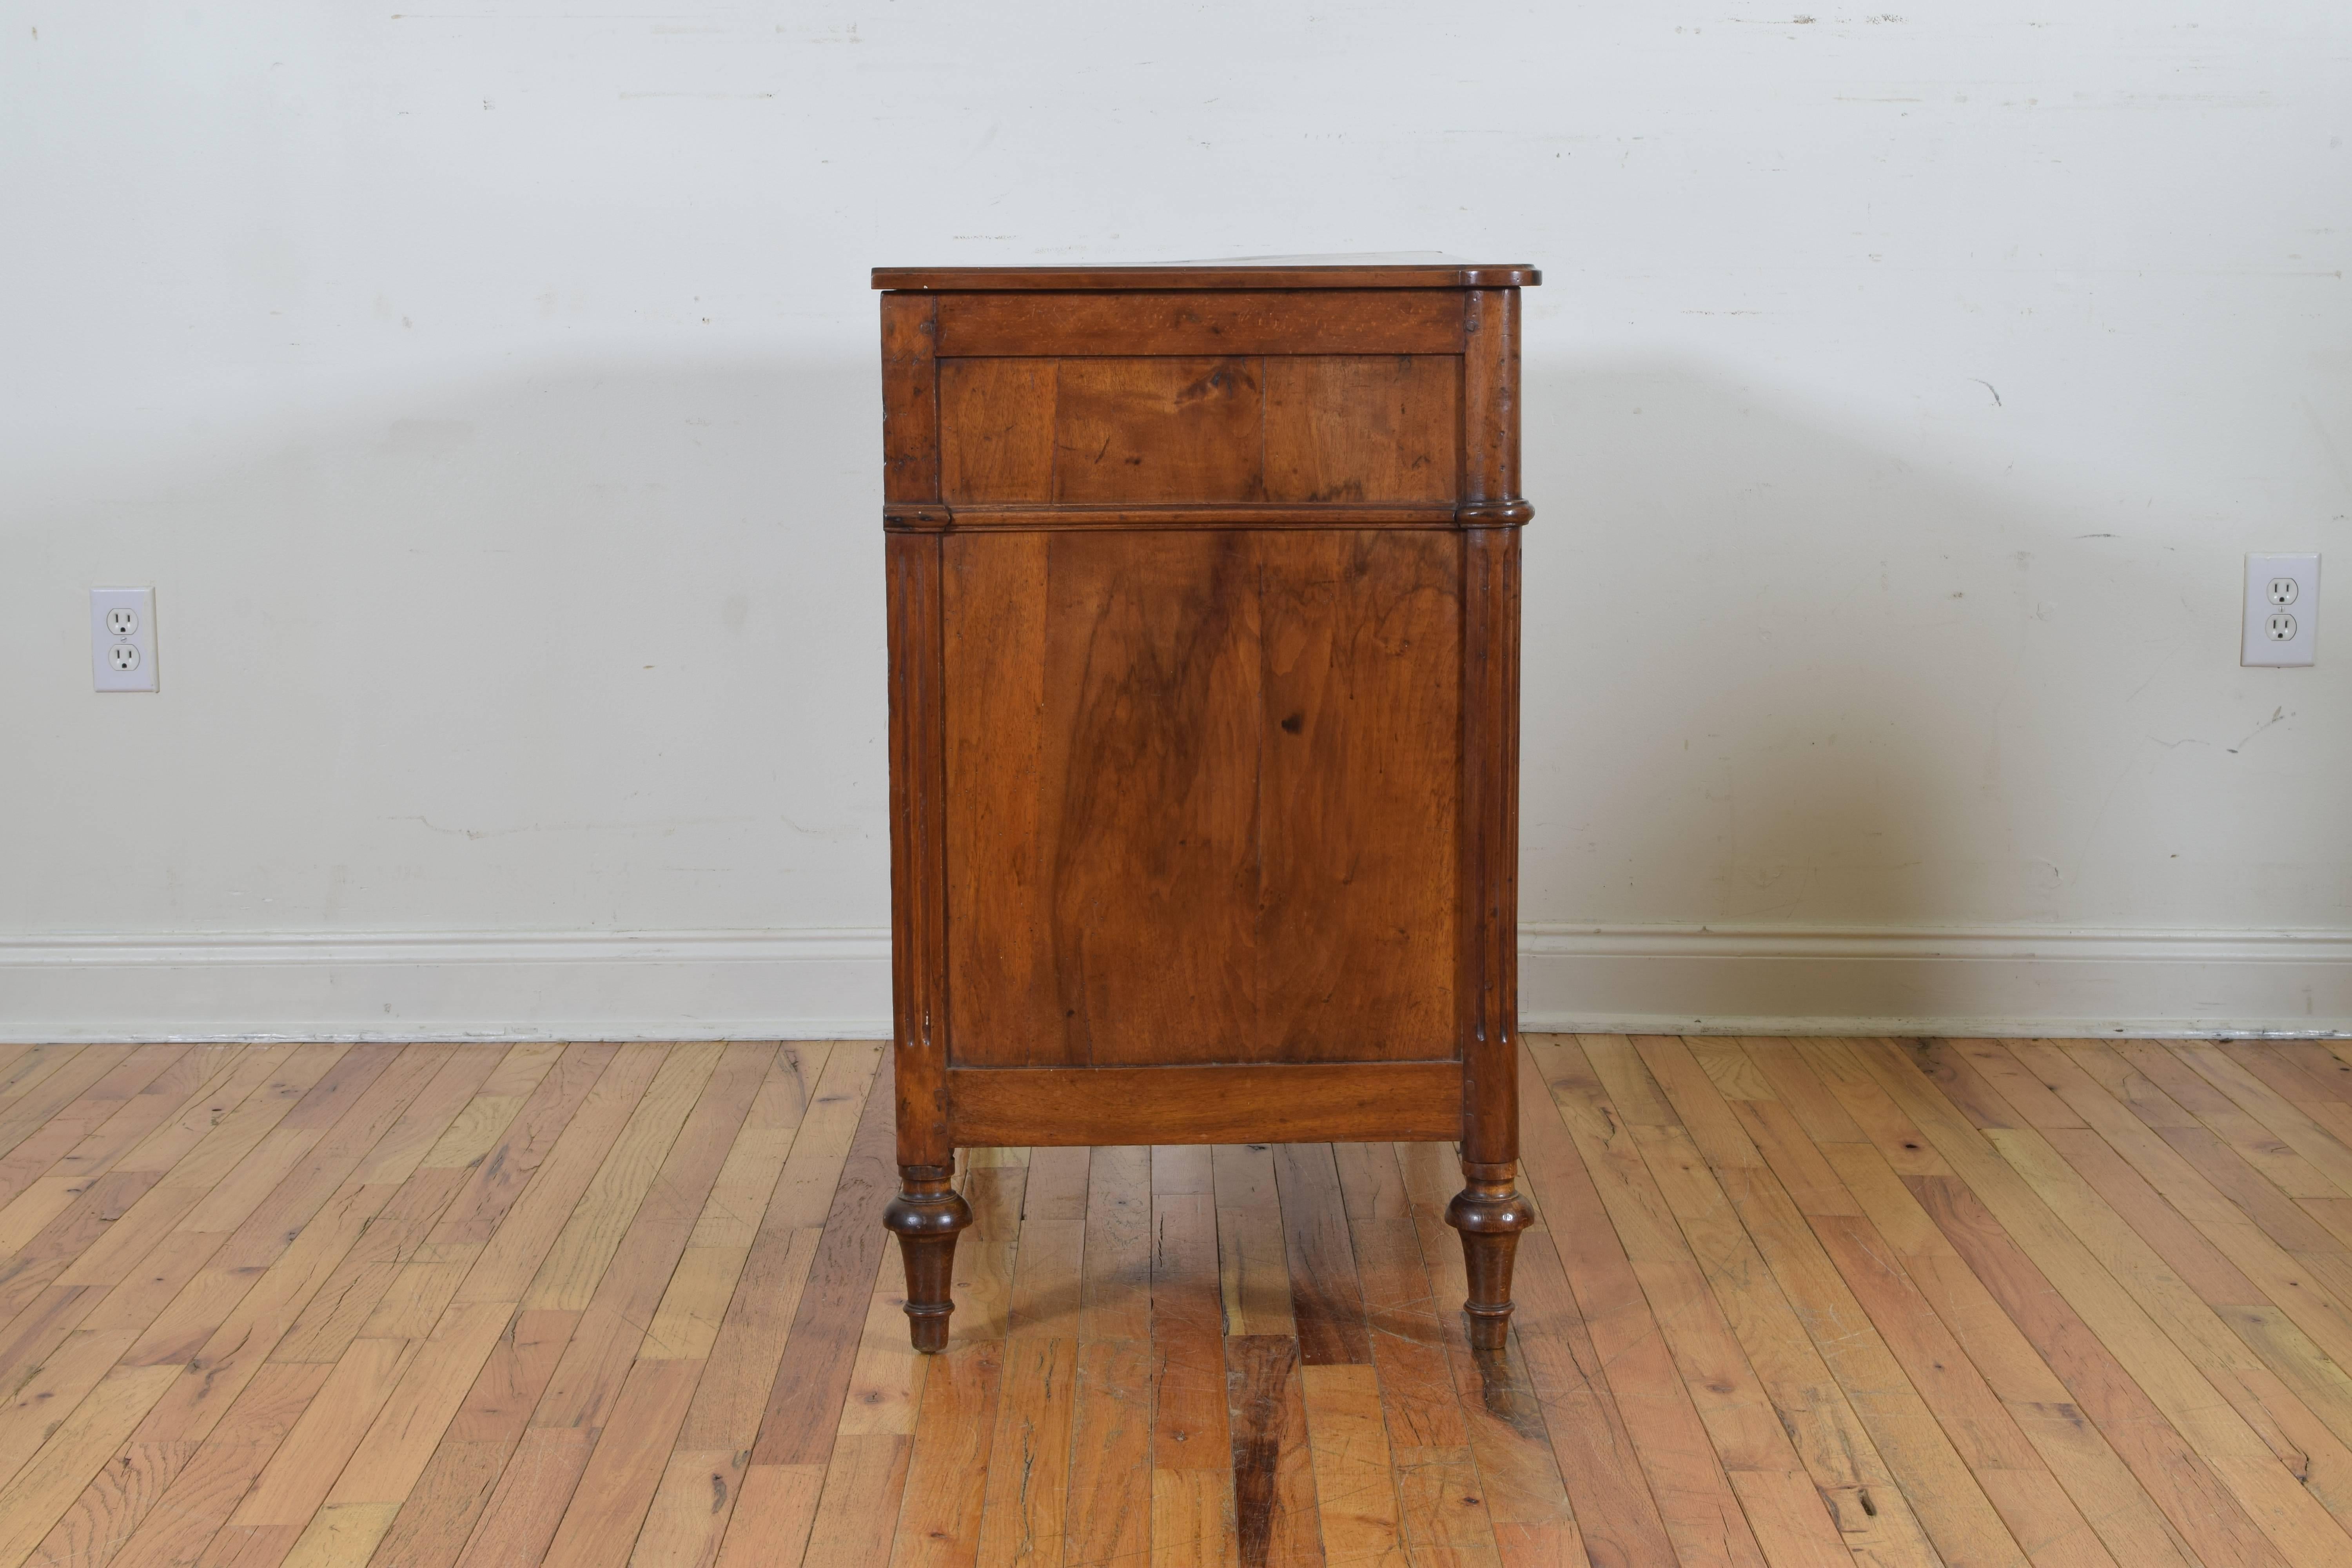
996,430
1250,321
1063,1106
910,409
1097,436
1789,1302
1158,429
1370,428
1238,726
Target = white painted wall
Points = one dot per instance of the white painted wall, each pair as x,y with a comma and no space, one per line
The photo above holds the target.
491,398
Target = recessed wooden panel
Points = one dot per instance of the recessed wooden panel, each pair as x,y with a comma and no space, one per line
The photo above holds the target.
1351,428
1256,1103
1362,427
1360,637
1158,429
996,430
1273,321
1201,796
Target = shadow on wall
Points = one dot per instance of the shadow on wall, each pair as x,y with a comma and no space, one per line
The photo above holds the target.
1781,676
595,647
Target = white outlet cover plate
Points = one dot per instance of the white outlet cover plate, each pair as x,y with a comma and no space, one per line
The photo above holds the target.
2261,647
141,603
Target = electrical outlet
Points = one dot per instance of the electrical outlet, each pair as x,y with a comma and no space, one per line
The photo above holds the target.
2282,609
122,638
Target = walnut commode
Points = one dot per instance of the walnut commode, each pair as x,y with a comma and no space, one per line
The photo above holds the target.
1204,673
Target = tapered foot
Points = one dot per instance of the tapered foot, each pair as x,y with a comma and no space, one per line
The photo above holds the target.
926,1218
1490,1215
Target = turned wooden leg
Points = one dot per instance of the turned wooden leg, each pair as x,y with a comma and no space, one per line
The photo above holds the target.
925,1216
1490,1215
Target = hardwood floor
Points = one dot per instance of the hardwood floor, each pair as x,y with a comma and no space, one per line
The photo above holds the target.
2057,1303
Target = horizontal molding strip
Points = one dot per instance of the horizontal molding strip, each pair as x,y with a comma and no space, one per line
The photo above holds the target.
835,983
1006,516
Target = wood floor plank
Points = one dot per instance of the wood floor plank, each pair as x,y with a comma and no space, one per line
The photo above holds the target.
769,1527
2044,1522
1193,1523
1748,1440
226,1321
441,1510
659,1170
532,1491
2216,1112
1253,1267
1326,1300
2104,1488
1110,1495
599,1529
1632,1370
1114,1279
34,1407
489,1486
695,1502
41,1491
2202,1498
350,1117
642,1258
1046,1269
29,1067
857,1517
733,1392
198,1075
1188,1429
39,1125
295,1482
1906,1446
304,1073
1445,1501
1795,1085
2075,1304
947,1472
568,1275
983,1281
2275,1112
813,1376
1401,1314
1356,1496
384,1466
108,1510
2176,1308
1023,1517
1786,1331
1275,1515
207,1485
132,1239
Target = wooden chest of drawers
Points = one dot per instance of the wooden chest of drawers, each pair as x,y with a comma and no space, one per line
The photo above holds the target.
1204,637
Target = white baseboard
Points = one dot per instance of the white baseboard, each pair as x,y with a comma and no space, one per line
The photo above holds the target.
555,986
1995,980
800,985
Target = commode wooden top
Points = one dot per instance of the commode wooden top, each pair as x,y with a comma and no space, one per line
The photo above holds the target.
1422,270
